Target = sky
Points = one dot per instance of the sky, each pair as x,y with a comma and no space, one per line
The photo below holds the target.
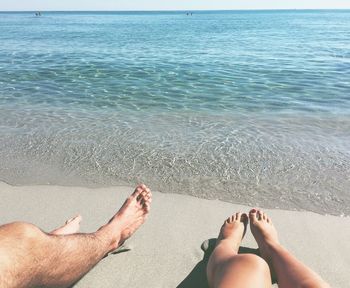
125,5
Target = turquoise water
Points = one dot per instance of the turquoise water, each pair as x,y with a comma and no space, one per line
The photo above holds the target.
251,107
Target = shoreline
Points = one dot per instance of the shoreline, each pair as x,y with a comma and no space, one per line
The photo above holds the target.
126,186
167,248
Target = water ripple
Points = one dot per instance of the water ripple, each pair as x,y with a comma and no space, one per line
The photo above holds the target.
249,107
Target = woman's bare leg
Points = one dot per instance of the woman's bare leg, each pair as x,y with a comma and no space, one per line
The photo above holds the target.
32,258
227,268
289,271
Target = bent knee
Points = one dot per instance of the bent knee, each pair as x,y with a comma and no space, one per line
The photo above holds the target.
254,261
20,246
21,230
249,269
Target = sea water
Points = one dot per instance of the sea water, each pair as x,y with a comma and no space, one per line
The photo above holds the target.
250,107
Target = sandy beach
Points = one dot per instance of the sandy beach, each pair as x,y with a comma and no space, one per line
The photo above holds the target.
166,251
212,106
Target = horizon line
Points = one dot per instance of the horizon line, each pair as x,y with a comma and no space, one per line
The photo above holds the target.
181,10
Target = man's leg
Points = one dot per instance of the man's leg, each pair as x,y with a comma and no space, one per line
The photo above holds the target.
227,268
32,258
289,271
70,227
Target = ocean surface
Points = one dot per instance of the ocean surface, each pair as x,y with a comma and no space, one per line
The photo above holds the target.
250,107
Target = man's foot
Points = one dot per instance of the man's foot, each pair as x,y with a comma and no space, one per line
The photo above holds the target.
233,230
130,216
70,227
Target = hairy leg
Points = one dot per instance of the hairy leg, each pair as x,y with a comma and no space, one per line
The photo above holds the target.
32,258
227,268
289,271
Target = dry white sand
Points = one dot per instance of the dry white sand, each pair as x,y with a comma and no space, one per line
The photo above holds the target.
166,251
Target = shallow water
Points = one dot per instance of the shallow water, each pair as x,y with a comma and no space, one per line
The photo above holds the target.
249,107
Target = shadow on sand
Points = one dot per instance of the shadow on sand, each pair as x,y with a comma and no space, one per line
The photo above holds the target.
197,277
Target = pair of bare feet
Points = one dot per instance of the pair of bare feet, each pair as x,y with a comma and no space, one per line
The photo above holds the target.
264,232
123,224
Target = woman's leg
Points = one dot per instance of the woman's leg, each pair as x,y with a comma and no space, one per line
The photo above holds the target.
290,272
227,268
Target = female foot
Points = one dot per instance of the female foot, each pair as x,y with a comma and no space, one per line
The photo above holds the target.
225,263
265,235
263,231
233,230
285,267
